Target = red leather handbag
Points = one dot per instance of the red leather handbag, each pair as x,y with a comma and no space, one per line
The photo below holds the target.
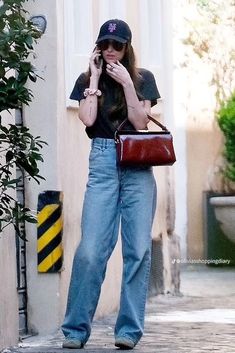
144,147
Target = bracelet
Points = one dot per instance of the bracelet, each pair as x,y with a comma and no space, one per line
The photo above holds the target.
92,92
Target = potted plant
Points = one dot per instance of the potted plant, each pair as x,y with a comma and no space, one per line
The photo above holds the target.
225,205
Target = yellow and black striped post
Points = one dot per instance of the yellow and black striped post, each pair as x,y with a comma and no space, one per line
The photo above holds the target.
49,231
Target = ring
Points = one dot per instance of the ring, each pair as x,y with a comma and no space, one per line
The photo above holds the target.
111,68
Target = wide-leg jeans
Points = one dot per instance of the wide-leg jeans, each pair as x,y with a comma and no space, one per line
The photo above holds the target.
113,194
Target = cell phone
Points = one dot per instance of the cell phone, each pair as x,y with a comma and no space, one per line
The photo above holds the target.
98,61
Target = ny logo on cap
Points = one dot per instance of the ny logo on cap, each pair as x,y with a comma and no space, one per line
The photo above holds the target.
112,27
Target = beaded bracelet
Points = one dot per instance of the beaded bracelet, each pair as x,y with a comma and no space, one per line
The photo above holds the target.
92,92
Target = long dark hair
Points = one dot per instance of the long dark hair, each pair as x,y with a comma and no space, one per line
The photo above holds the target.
119,109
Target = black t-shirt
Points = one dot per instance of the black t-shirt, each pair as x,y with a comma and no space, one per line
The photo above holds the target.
105,123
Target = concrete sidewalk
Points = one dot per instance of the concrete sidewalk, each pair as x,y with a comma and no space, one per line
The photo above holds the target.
202,320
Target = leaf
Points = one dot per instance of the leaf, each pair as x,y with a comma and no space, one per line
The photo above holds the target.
2,71
29,42
30,219
37,157
5,199
4,129
3,9
26,66
40,177
33,77
3,137
19,233
13,181
9,156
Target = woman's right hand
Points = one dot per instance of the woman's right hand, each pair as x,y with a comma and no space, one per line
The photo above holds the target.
96,63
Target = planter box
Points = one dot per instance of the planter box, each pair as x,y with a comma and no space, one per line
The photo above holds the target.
217,245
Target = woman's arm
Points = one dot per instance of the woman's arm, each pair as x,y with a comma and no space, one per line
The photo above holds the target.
146,104
88,106
137,110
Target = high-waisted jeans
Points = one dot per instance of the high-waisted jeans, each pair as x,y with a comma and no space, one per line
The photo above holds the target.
112,194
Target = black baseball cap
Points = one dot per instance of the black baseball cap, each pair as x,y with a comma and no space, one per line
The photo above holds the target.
115,29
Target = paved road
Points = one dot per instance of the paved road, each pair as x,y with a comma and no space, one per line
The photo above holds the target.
201,322
173,325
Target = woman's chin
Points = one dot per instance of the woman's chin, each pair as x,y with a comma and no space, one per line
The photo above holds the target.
111,61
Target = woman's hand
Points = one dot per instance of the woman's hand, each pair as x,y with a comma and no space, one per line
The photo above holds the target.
119,73
136,112
96,63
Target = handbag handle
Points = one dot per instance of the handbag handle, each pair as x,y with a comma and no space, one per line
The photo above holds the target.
150,118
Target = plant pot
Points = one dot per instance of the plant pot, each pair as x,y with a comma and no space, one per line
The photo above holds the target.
217,246
224,207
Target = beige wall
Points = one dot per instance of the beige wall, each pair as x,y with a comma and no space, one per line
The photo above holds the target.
65,168
199,164
204,74
9,319
42,117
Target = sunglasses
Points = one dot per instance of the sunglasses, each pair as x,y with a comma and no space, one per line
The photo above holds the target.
104,44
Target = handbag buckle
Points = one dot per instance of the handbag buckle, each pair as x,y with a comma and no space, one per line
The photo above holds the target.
116,137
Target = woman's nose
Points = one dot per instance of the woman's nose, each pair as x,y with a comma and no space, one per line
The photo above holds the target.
110,47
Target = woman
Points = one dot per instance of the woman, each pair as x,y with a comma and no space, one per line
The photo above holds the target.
110,91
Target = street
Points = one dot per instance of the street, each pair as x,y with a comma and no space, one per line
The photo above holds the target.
201,320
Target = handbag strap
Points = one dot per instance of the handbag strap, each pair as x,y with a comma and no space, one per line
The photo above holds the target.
149,117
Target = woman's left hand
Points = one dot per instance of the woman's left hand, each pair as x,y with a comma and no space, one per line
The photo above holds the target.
119,73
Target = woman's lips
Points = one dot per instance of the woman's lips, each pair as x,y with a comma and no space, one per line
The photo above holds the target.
110,57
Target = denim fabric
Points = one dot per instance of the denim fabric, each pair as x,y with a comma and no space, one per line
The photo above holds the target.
112,194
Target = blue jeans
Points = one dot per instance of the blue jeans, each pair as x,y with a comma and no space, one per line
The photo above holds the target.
112,194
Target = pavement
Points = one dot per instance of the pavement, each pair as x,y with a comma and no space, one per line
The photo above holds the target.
201,320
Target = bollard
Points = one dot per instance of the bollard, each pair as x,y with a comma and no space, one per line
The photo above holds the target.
49,231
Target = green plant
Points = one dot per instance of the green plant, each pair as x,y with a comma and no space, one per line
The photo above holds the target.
18,147
226,121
